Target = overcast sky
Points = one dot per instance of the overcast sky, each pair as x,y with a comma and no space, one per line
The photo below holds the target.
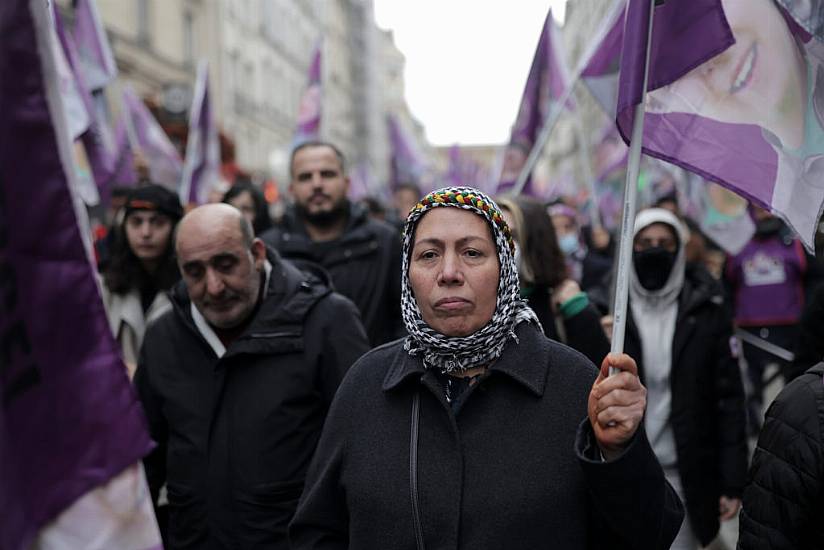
466,61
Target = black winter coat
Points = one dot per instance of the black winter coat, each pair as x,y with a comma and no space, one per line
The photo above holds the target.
783,505
708,415
236,434
581,332
364,263
501,473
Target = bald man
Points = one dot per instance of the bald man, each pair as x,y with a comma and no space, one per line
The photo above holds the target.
236,380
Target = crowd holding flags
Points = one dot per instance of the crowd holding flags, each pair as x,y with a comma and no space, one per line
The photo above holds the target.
72,432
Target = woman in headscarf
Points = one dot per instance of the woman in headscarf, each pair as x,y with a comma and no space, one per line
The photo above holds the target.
476,431
562,308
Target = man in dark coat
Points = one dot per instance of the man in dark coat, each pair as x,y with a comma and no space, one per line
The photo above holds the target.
784,498
362,255
236,380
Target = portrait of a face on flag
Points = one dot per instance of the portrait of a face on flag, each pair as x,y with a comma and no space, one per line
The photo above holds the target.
752,117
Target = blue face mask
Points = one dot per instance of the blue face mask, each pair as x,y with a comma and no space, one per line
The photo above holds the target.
569,243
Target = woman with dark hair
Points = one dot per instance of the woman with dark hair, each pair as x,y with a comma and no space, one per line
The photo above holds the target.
247,198
562,308
142,266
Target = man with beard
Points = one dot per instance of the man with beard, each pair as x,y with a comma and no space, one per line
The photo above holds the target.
236,379
322,227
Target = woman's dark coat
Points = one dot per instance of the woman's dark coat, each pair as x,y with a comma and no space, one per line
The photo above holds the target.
515,468
784,499
708,415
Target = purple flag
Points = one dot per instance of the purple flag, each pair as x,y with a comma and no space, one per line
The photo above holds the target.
147,136
201,167
70,421
360,182
547,81
738,100
309,113
123,174
407,161
95,161
94,52
600,74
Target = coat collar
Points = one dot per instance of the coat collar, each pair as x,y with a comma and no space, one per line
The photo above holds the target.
525,360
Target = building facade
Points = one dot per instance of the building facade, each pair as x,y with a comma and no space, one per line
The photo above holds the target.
259,53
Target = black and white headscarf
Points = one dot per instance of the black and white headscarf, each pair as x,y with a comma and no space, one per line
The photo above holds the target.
456,354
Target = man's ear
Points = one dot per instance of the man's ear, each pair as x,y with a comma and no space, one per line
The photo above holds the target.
258,253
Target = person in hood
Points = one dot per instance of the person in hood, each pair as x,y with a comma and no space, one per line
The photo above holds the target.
323,227
680,330
236,380
476,431
141,267
586,266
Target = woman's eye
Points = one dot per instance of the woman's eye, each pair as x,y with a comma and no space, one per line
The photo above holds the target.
427,255
473,253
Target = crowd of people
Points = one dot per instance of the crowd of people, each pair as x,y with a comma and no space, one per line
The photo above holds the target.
436,372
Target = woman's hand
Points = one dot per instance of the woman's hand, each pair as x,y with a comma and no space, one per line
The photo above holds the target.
616,404
563,292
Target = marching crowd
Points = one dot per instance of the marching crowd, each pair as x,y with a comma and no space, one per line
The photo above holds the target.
437,374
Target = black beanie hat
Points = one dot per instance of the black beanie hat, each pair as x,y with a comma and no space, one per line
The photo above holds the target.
154,197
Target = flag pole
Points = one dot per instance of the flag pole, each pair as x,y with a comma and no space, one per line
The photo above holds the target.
630,204
555,113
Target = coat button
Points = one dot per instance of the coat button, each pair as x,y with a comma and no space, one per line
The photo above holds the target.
347,253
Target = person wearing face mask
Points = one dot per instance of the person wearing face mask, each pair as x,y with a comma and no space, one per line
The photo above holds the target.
767,281
679,329
562,308
585,266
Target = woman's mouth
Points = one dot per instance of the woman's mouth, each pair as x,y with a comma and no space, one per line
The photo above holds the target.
745,70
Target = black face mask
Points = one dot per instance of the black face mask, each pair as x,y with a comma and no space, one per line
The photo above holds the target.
653,266
766,227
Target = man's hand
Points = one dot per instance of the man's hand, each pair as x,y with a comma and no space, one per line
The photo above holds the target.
728,507
564,291
616,404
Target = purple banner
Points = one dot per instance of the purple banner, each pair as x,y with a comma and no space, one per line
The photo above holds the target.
310,110
96,138
601,72
741,106
147,136
96,61
201,167
545,86
407,162
69,420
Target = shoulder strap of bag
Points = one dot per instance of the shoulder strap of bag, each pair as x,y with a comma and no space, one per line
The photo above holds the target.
413,470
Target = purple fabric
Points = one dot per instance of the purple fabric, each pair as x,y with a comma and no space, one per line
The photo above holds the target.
95,54
544,86
309,115
407,163
162,157
767,278
101,159
201,168
718,115
600,74
124,174
69,419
